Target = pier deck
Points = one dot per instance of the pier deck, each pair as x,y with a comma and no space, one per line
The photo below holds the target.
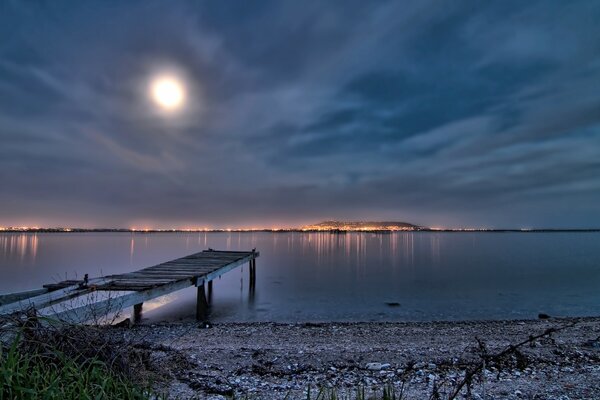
80,301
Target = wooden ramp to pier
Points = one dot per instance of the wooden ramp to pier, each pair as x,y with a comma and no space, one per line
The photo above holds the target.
89,299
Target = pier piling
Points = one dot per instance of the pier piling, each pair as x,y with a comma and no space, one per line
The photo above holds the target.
137,312
210,291
201,304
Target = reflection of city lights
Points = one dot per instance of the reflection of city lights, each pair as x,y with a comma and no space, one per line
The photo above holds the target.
24,246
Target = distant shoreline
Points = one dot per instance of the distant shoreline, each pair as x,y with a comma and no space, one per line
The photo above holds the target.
331,231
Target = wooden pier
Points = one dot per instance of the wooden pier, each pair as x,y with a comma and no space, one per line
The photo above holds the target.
91,299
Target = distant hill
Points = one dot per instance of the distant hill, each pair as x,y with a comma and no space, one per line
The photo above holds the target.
361,226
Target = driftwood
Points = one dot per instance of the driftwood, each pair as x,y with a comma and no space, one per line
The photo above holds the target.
487,359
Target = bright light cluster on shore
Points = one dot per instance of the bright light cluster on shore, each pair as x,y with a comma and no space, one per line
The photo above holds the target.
359,226
354,229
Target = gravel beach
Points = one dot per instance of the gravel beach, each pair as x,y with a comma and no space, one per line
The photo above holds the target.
272,361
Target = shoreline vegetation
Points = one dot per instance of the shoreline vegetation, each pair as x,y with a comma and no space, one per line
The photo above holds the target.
521,359
43,359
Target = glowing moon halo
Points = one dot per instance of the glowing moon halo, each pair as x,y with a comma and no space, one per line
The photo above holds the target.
167,92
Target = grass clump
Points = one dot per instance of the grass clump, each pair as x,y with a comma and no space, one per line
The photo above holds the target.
56,376
42,362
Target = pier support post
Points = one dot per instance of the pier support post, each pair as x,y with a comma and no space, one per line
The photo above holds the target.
137,312
201,304
252,275
253,269
210,291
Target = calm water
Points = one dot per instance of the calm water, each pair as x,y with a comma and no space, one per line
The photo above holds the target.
313,276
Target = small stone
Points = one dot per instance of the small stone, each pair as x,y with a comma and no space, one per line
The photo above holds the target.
518,393
431,366
376,366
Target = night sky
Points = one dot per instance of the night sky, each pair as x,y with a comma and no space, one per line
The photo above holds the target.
440,113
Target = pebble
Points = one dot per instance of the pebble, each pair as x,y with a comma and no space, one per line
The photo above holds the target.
376,366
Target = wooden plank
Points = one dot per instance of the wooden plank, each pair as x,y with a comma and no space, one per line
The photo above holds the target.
228,251
180,270
209,259
143,279
197,263
18,296
203,263
227,268
128,288
184,269
84,313
157,275
50,298
62,284
139,282
184,266
167,271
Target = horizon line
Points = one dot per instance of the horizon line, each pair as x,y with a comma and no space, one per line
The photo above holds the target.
22,229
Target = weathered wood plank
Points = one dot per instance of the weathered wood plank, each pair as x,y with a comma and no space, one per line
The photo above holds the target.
18,296
62,284
85,312
226,268
183,266
185,269
158,275
50,298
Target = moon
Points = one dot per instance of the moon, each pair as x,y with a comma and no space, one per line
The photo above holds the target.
168,92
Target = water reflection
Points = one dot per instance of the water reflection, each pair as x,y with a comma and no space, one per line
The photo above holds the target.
358,248
352,276
22,246
131,249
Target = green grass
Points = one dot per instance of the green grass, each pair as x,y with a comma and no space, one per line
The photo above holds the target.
49,376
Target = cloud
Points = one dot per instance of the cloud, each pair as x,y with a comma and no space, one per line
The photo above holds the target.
429,112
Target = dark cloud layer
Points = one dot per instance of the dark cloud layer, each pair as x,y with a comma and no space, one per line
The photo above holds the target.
440,113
